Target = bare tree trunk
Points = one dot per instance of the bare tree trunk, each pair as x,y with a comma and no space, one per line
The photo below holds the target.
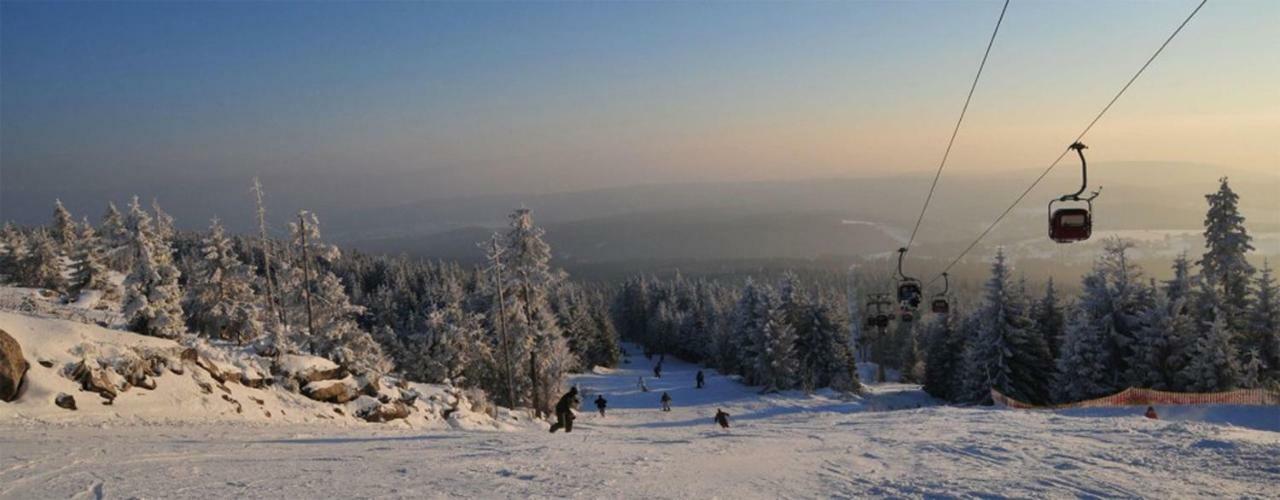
306,280
509,370
266,254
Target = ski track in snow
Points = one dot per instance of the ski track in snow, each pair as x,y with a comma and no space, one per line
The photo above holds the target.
784,445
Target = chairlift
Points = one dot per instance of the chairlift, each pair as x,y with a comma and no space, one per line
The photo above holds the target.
876,315
941,305
1072,224
909,294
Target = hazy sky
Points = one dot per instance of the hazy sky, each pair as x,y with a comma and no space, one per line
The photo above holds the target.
505,97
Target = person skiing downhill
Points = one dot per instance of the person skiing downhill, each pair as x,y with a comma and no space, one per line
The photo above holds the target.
666,402
564,411
640,383
701,381
722,418
601,403
657,370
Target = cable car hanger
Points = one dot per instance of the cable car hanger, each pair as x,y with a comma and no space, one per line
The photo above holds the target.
909,293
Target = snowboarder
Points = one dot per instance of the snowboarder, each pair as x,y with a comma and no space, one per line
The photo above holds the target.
722,418
657,370
666,402
700,379
640,383
564,411
601,403
1151,413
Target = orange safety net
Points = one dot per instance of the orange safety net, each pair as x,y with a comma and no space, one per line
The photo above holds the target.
1143,397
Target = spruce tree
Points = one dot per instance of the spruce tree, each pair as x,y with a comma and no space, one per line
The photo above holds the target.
1211,365
1264,325
90,271
1224,264
942,357
1005,353
64,229
153,299
42,263
1082,366
220,298
775,360
1048,317
115,240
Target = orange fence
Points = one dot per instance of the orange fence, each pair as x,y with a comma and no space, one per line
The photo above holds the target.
1143,397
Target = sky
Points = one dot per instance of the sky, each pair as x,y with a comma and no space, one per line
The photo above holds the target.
499,97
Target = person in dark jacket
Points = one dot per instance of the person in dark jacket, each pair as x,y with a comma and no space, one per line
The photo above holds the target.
601,403
722,418
1151,413
666,402
564,411
657,370
701,381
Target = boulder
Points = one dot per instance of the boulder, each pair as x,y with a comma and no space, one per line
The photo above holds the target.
13,367
64,400
251,378
330,391
385,412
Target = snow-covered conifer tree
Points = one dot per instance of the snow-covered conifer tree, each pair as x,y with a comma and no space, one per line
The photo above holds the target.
1006,353
64,229
1224,263
153,299
220,299
1082,367
90,271
42,264
1211,364
1264,324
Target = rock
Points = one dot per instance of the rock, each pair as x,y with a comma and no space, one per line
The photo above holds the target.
189,354
13,367
64,400
95,380
253,379
385,412
205,387
46,363
155,365
409,396
307,369
369,386
177,369
330,391
147,383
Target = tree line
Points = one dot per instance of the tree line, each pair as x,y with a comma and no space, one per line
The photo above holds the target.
514,327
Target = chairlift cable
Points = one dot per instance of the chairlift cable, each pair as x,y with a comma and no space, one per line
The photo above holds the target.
1078,138
956,131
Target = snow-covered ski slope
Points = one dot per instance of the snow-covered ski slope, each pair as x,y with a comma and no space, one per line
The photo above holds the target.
785,445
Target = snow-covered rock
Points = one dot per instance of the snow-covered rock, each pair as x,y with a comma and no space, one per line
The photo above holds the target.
332,391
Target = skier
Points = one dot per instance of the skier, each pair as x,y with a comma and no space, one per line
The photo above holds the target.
640,383
700,379
600,404
1151,413
564,411
666,402
722,418
657,370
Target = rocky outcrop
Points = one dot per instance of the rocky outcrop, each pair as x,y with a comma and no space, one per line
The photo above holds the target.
331,391
13,367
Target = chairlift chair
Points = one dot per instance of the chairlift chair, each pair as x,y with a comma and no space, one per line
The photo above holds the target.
909,291
1072,224
940,304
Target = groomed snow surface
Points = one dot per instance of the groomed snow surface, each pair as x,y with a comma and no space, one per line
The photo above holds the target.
894,442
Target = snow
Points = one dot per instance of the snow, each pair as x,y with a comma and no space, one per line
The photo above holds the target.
894,441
